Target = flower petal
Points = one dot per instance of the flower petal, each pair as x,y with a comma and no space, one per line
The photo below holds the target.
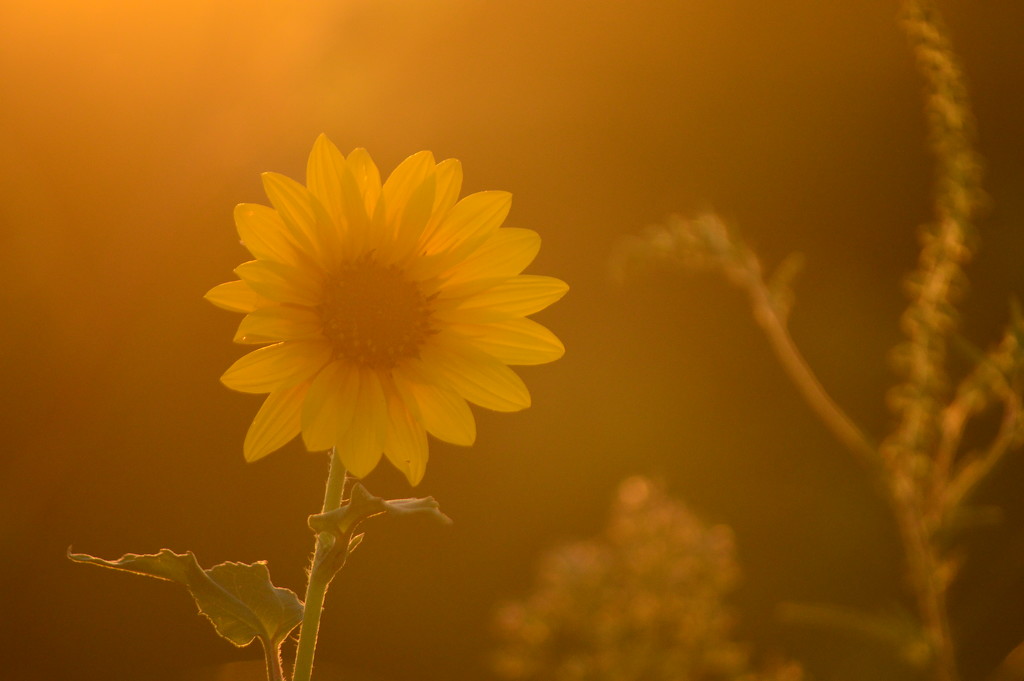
366,176
291,201
280,365
324,170
406,442
276,422
404,181
313,229
449,184
442,412
330,401
264,233
282,283
516,341
405,205
505,254
362,443
475,375
279,323
519,296
235,296
469,223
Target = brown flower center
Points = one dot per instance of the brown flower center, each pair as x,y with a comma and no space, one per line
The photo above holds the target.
373,315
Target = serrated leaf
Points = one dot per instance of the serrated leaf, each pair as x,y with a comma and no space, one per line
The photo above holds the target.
341,523
238,598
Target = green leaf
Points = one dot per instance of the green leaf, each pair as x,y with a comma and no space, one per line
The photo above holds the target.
896,629
362,505
341,523
238,598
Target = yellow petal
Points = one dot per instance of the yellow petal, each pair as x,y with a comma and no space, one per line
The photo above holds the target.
366,176
291,201
469,223
505,254
361,445
449,184
412,220
330,401
235,296
276,422
516,341
406,442
442,412
282,283
281,365
341,228
324,170
519,296
475,376
263,232
279,323
404,180
312,228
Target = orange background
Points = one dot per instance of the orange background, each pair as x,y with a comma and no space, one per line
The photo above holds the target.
128,130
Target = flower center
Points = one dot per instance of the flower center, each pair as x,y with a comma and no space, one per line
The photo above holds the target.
373,315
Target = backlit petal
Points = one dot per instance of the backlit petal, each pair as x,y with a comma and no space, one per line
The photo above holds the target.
442,412
235,296
470,222
517,297
283,364
276,422
291,201
476,376
406,442
282,283
279,323
366,176
449,184
362,444
406,179
505,254
324,171
330,401
516,341
263,232
313,229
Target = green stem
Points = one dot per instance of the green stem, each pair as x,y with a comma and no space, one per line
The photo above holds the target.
272,656
319,577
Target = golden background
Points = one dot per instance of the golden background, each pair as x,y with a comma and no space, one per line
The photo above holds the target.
128,131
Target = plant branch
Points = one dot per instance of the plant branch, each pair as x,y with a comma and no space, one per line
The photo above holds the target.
272,656
975,469
319,576
800,373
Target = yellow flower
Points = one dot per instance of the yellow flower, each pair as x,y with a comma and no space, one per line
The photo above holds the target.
386,308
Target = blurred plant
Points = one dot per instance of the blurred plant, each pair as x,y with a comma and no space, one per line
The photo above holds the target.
383,309
644,601
923,466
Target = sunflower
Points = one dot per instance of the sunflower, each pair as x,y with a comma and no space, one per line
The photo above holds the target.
383,309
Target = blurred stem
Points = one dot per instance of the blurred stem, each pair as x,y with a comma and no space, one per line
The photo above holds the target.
925,566
928,578
800,373
319,576
977,468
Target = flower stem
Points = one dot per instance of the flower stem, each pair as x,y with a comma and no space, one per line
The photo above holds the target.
319,576
272,656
